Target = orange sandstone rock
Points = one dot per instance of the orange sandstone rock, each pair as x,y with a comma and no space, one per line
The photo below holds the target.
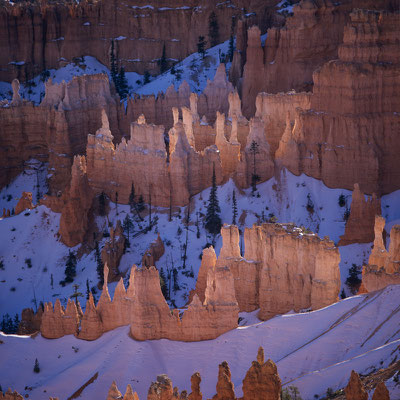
225,387
381,392
195,380
383,266
24,202
91,327
354,389
360,225
74,215
154,253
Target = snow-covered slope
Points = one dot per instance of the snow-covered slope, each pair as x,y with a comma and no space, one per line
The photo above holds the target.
194,69
313,351
33,235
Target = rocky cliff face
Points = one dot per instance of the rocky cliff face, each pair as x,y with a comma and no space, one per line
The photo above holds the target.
354,389
57,129
41,35
25,202
143,307
154,252
360,225
282,269
74,215
293,52
383,266
349,133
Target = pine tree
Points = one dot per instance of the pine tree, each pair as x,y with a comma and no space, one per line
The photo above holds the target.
201,46
113,66
132,202
140,204
127,225
162,62
100,265
254,177
87,289
213,219
213,29
234,208
122,84
176,283
163,284
36,367
70,268
116,203
102,204
16,323
76,294
146,77
231,40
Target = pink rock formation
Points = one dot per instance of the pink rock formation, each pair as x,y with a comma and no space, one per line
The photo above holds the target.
225,387
91,326
195,387
30,321
57,323
262,381
74,215
113,250
354,389
360,225
25,202
349,134
154,253
383,266
381,392
282,269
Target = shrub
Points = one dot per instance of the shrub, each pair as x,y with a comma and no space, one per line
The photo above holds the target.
36,368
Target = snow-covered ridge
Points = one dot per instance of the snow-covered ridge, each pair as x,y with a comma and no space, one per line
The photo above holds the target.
313,351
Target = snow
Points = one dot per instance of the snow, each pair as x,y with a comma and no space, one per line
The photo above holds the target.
313,351
32,236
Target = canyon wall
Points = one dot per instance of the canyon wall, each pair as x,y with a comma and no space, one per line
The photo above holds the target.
282,269
143,307
349,134
383,266
292,53
57,129
42,35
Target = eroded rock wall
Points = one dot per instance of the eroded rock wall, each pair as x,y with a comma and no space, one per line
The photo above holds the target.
349,134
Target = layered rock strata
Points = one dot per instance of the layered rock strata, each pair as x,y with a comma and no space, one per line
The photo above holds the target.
292,53
282,269
143,306
383,266
360,224
349,134
41,36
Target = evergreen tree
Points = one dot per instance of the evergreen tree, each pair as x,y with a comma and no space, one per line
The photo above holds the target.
16,323
70,268
201,46
36,367
87,289
127,225
213,29
140,204
213,219
122,84
254,177
100,265
353,281
146,77
76,294
234,208
231,40
132,202
162,62
176,283
163,284
113,66
102,204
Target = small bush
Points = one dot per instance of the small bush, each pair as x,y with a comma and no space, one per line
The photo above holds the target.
342,200
36,368
28,262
